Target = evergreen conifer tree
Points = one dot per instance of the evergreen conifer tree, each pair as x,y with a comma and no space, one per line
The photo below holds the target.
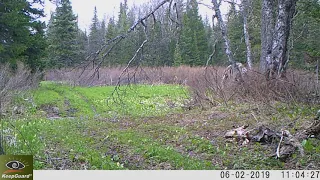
21,33
194,43
177,56
63,37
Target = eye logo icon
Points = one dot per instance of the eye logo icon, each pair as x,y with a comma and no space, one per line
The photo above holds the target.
15,165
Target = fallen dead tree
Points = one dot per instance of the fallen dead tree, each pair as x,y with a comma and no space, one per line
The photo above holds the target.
287,144
314,128
229,72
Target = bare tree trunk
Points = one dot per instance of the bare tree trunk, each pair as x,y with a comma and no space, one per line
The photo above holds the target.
223,32
317,72
244,10
286,9
274,40
267,25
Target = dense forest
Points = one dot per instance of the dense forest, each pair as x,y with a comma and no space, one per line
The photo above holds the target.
177,37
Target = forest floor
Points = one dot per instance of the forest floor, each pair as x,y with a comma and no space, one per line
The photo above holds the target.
148,127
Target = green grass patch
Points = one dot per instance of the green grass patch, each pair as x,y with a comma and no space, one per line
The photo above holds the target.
155,151
144,127
133,101
67,139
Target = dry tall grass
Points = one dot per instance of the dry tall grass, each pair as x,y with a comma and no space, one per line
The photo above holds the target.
205,83
111,76
15,81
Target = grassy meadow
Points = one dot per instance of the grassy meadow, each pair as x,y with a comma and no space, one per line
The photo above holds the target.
146,127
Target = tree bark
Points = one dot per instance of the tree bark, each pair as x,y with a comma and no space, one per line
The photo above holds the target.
244,10
286,9
274,40
267,25
223,31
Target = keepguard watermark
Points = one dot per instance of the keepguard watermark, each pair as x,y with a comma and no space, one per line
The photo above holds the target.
16,167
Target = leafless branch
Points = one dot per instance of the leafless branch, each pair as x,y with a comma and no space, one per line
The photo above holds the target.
206,5
231,2
278,148
134,56
106,49
96,71
174,7
212,54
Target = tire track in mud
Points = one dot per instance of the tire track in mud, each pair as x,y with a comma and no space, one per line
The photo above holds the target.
77,93
84,98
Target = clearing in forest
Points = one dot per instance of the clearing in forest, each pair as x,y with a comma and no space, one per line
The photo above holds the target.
146,127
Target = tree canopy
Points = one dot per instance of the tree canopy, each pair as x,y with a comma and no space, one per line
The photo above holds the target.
63,46
176,35
22,33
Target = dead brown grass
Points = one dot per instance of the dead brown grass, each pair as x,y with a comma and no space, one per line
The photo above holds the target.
15,81
205,83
